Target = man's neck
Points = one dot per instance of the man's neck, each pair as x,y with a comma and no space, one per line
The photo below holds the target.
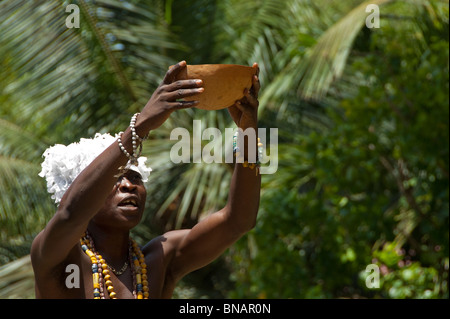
113,245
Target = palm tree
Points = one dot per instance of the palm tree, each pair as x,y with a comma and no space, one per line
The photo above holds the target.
60,84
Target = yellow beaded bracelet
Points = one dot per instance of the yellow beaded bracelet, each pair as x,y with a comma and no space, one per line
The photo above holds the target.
251,166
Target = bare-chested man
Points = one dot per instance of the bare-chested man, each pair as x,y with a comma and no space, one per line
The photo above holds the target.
108,207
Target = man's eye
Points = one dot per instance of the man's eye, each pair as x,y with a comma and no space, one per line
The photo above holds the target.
136,178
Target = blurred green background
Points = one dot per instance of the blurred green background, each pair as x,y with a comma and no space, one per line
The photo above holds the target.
363,121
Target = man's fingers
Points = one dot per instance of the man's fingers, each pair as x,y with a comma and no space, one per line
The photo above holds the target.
256,66
175,99
251,99
182,93
179,105
184,84
173,72
234,112
256,86
244,108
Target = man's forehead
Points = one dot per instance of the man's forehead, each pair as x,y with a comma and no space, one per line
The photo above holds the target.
129,173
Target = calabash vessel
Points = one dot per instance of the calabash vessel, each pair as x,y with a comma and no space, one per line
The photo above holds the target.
224,83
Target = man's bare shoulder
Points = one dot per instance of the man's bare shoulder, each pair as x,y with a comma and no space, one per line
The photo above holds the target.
164,245
51,280
40,266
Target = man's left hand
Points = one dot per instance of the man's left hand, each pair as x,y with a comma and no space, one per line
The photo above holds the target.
244,112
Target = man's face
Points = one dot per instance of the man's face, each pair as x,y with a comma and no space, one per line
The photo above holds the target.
125,204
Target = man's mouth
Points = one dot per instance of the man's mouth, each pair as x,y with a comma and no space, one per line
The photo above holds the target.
129,202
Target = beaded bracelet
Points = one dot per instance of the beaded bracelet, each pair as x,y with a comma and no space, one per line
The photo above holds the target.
135,139
236,152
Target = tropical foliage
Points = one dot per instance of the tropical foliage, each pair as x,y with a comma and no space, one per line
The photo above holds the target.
363,134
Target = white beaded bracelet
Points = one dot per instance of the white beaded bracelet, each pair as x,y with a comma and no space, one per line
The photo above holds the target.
122,148
135,139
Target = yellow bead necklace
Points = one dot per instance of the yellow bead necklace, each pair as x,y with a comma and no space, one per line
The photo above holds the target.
100,273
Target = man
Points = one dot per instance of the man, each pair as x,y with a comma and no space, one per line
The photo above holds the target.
108,207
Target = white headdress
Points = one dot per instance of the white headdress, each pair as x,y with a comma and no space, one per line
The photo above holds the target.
63,163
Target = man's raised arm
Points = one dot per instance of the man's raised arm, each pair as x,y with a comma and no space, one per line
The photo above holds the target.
88,192
192,249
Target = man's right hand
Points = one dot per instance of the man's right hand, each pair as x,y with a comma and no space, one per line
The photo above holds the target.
167,98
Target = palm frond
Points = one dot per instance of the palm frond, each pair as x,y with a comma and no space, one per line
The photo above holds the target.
17,279
312,75
57,86
22,208
25,206
91,18
60,74
19,143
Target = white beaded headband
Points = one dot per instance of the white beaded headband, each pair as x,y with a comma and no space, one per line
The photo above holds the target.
63,163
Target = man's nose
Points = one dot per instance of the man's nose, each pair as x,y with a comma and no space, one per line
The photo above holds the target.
126,186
